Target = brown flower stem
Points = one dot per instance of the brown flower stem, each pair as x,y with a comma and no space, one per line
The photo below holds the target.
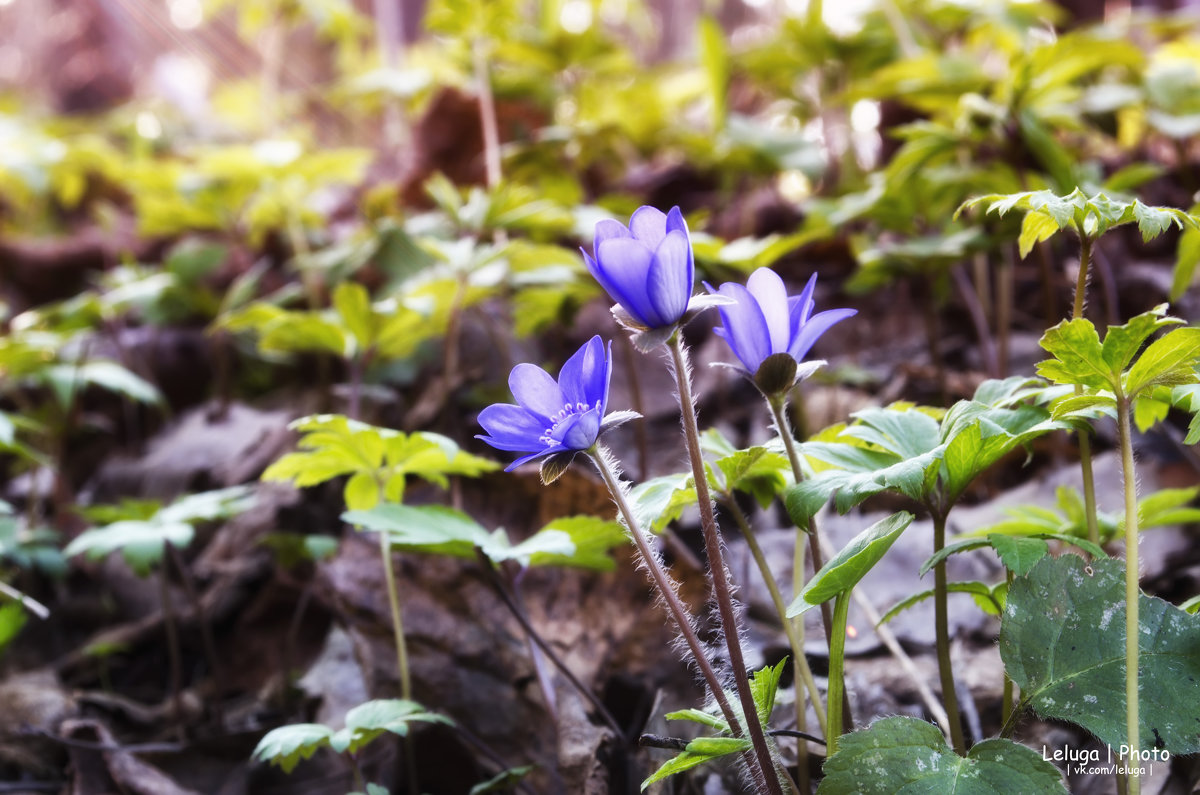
666,589
763,771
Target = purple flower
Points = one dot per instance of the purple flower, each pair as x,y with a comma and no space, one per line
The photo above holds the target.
764,321
563,416
646,267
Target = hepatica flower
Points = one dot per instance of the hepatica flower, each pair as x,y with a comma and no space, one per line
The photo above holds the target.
764,325
555,419
646,267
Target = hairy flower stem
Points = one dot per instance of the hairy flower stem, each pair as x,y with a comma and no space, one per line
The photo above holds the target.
941,621
1085,441
1124,432
792,629
837,676
666,589
764,769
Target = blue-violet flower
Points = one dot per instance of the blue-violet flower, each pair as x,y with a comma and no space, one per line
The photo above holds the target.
647,267
763,320
563,416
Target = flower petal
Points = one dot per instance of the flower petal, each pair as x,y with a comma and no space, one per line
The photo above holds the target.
801,306
817,325
606,229
675,222
584,378
622,264
745,328
511,427
669,280
649,225
536,390
771,294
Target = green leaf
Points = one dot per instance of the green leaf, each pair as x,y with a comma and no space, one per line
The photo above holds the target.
984,595
591,540
361,492
1187,257
1035,227
287,745
902,754
367,721
12,618
763,684
698,751
1019,555
1121,343
428,528
353,305
504,781
1062,639
141,543
1078,356
659,501
1170,360
851,563
701,717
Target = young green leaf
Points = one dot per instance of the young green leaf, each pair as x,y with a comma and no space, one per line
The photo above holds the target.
1171,360
287,745
1078,356
902,754
697,752
849,565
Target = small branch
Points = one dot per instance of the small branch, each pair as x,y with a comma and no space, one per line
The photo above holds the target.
518,612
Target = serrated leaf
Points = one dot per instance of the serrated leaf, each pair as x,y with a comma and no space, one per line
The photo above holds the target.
1018,555
1170,360
591,540
659,501
367,721
1121,343
902,754
1078,356
1035,227
287,745
353,305
1062,639
851,563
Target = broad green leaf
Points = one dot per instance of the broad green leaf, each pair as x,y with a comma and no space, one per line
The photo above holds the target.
1062,639
428,528
361,492
976,437
1171,360
141,543
1078,356
851,563
755,471
902,754
67,380
287,745
591,540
